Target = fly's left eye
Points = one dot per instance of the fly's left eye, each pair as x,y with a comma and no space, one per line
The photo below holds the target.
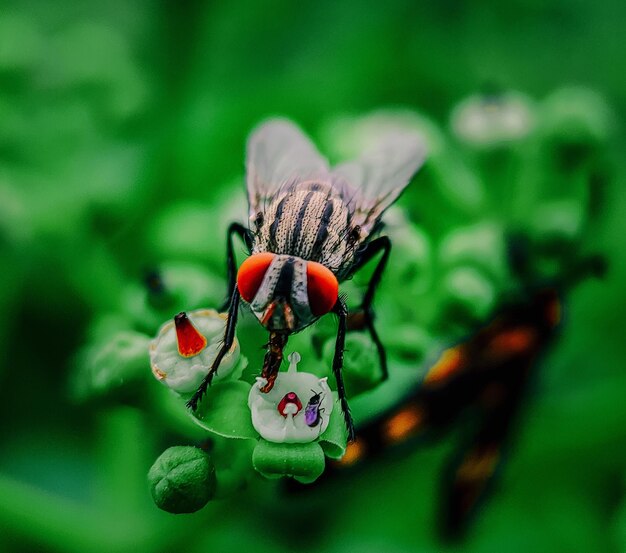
323,288
251,273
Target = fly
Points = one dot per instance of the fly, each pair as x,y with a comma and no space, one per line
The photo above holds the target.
310,228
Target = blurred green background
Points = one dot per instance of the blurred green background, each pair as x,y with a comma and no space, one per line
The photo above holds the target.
122,132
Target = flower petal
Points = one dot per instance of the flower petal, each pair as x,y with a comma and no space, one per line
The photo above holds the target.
304,462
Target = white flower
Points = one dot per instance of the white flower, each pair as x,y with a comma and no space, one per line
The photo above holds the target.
485,121
184,349
296,410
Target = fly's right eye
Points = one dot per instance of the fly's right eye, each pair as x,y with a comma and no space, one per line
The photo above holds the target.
251,273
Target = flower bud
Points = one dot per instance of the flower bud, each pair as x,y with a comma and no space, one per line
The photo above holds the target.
168,289
480,246
185,348
469,296
182,479
361,364
110,363
575,120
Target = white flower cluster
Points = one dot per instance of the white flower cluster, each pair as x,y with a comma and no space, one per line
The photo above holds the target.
296,410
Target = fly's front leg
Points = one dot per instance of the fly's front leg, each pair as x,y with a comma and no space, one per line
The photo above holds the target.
341,310
273,359
229,338
231,261
364,318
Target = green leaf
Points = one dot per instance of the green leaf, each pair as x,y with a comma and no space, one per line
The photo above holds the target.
224,411
233,464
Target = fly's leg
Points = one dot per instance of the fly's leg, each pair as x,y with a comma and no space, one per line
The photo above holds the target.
229,338
341,310
364,318
273,359
231,262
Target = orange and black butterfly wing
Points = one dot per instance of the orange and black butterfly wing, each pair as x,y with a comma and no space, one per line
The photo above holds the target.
470,474
428,411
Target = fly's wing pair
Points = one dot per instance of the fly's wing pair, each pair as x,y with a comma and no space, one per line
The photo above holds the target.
278,152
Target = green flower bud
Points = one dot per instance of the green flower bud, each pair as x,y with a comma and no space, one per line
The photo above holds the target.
408,343
180,231
480,246
361,364
182,479
575,120
304,462
558,222
174,287
110,363
469,296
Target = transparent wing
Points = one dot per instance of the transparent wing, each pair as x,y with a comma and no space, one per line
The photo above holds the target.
373,182
277,152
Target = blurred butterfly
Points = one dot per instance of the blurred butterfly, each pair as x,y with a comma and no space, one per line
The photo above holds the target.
483,378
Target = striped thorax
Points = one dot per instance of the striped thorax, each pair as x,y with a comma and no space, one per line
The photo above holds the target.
310,220
300,250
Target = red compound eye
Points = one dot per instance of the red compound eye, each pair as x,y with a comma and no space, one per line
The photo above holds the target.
251,274
323,288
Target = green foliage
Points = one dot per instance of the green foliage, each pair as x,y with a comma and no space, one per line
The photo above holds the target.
121,153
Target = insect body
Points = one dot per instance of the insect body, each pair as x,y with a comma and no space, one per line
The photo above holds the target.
311,227
312,411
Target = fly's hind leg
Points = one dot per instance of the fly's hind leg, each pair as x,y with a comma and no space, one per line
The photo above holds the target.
231,305
229,338
341,311
363,319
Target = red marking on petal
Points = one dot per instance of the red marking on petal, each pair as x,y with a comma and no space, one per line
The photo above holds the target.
190,341
289,398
